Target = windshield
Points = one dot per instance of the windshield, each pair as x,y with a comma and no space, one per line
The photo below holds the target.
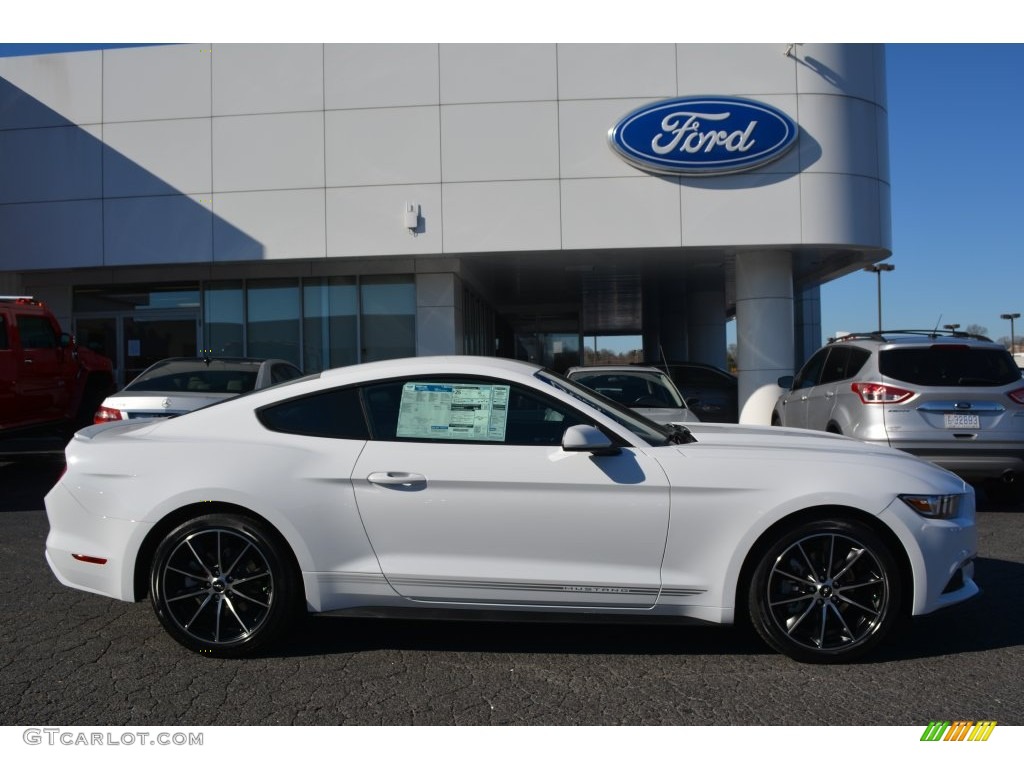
196,376
647,430
637,389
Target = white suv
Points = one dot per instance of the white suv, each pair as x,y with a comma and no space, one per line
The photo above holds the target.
954,399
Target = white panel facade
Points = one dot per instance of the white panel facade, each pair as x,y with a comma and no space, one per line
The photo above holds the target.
504,147
435,330
481,73
157,157
52,235
51,90
853,122
263,152
274,77
841,209
841,70
585,152
369,221
501,216
770,210
620,213
156,82
499,142
156,230
49,164
359,76
710,68
278,224
616,71
369,147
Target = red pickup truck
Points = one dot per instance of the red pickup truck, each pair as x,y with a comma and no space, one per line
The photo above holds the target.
46,380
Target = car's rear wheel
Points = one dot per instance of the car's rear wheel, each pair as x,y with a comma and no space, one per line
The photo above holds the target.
825,591
222,584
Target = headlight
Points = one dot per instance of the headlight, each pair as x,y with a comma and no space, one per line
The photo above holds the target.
942,507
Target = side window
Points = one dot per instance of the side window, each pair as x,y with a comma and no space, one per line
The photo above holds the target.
3,333
858,357
280,373
456,409
36,332
337,413
835,366
811,372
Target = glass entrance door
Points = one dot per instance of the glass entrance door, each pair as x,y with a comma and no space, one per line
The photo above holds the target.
149,339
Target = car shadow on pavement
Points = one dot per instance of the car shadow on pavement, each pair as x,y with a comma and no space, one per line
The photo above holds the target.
981,624
25,479
338,634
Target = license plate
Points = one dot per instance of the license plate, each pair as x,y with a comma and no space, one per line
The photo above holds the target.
962,421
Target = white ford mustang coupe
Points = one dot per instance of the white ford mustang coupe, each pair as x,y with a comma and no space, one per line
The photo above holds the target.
461,484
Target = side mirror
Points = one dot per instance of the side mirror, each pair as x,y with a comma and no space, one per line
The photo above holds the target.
588,439
65,341
786,382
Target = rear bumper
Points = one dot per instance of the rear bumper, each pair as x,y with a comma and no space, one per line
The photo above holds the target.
977,461
73,531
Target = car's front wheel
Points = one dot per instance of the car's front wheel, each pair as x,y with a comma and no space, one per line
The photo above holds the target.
825,591
222,584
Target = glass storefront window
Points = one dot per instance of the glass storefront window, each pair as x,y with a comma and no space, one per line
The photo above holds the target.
273,319
388,322
223,318
330,309
617,349
135,298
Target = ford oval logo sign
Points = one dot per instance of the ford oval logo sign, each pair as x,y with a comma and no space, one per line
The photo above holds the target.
703,135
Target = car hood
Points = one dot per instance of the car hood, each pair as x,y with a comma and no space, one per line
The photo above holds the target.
805,447
762,437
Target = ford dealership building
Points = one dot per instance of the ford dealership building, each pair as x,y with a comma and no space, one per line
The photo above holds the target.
332,204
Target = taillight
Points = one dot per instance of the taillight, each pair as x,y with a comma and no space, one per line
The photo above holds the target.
873,394
1017,396
104,414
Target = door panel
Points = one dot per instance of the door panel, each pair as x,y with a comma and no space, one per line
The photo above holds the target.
514,524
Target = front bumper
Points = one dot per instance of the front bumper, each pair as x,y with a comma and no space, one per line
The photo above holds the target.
941,554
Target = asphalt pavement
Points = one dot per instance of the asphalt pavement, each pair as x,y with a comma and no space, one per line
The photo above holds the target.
71,658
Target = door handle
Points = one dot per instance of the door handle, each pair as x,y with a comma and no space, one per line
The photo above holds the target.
403,479
829,395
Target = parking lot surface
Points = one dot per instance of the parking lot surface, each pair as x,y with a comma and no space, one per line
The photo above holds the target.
70,658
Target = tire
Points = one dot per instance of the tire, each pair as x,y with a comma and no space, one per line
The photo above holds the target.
999,492
826,591
203,599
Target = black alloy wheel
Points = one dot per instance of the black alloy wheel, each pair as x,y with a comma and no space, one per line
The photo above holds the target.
826,591
221,584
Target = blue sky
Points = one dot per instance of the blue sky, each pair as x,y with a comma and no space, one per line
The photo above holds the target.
956,127
956,113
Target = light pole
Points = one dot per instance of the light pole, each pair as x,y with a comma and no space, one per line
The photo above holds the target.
1011,316
878,269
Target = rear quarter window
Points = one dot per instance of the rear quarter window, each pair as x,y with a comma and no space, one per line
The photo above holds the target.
943,365
337,413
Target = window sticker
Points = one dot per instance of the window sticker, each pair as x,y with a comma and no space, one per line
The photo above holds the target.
453,411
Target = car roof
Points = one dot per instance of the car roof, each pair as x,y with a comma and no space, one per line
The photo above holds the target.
213,362
626,368
915,337
429,364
